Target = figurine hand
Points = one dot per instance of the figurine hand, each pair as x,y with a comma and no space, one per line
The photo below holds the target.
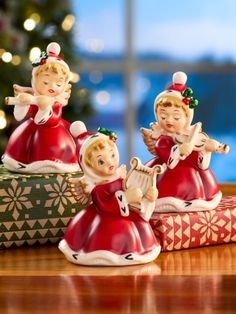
44,102
24,99
151,194
186,149
133,195
211,145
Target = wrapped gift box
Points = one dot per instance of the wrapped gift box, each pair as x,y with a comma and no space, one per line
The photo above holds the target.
34,208
187,230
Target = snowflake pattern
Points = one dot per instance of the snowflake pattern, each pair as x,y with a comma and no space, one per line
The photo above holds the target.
59,195
15,198
209,226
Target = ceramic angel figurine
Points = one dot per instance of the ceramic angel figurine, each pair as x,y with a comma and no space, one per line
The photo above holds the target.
187,183
42,143
108,231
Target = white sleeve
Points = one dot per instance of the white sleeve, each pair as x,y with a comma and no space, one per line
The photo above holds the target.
20,112
122,202
204,159
174,157
42,116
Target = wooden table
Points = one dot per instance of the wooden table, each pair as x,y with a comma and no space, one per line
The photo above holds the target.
40,280
37,280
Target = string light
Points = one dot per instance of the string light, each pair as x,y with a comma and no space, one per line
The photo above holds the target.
95,45
82,92
68,22
74,77
3,120
29,24
2,52
16,60
95,77
6,57
34,53
103,97
32,21
36,17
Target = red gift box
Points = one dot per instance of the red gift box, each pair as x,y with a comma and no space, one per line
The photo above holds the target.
178,231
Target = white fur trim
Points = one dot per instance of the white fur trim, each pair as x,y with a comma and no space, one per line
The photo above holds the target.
179,78
87,142
146,209
174,157
204,159
42,166
107,258
172,204
123,204
77,128
54,47
20,112
42,116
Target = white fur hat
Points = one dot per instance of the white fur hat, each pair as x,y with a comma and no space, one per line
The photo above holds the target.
85,138
50,55
179,90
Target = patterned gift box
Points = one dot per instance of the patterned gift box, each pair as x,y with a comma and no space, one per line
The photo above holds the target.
34,209
187,230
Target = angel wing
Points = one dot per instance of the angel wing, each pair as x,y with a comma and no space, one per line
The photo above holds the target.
64,97
156,130
22,89
149,141
77,187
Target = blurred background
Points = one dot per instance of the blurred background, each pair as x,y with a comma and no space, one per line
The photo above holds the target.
122,53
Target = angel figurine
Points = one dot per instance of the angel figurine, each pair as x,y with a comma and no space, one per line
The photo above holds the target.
187,183
108,231
42,143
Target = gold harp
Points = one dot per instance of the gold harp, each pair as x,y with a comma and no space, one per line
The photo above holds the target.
143,177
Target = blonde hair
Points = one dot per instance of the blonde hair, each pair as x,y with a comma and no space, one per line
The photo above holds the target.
96,146
53,67
170,101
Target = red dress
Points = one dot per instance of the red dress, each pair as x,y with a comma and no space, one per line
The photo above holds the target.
186,185
100,235
37,147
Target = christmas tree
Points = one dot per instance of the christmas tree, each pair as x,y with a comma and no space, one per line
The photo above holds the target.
26,28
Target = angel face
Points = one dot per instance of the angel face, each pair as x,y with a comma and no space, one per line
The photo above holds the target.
49,83
105,161
172,119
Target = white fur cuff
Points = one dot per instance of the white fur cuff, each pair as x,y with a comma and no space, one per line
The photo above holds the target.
123,204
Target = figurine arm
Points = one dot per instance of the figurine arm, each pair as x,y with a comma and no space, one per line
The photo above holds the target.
168,153
147,204
204,159
124,198
21,104
26,99
114,202
151,194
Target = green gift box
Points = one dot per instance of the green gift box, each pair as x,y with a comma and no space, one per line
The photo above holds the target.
34,208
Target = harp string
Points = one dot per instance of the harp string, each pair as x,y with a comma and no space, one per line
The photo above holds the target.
140,177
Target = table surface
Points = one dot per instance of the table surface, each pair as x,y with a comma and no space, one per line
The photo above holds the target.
39,279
